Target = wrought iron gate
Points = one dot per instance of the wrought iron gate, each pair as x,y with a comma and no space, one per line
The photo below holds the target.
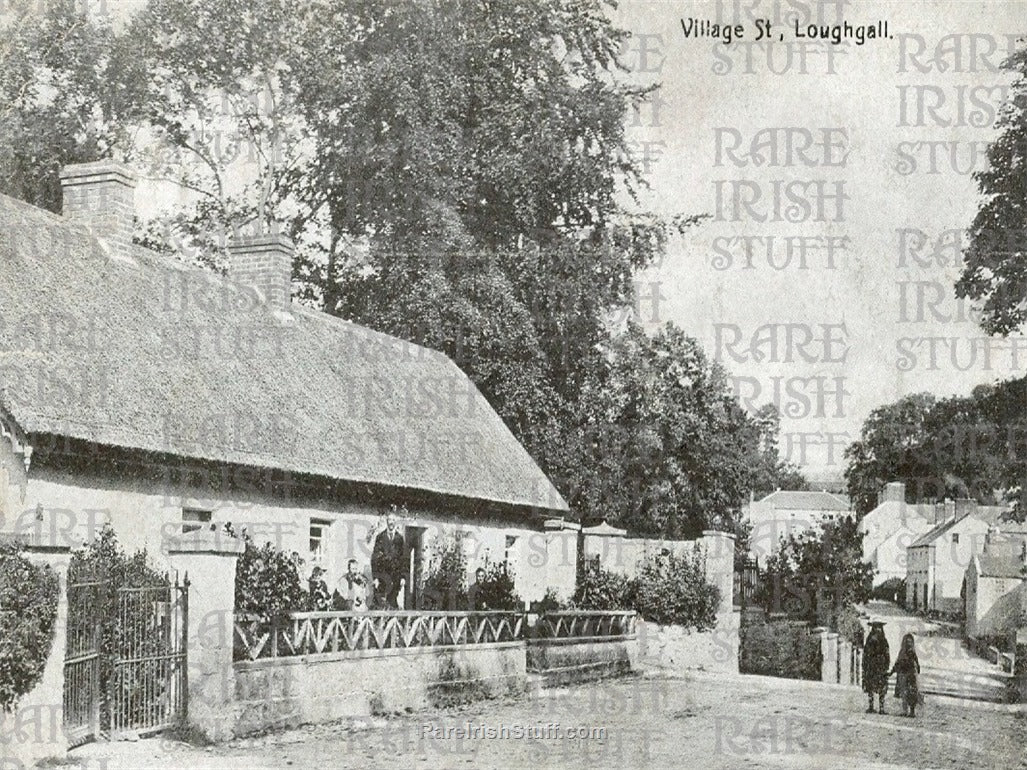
147,689
82,662
139,684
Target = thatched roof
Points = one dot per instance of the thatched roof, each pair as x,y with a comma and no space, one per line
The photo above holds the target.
147,354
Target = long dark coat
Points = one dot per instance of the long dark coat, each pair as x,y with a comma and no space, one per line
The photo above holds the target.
876,662
388,565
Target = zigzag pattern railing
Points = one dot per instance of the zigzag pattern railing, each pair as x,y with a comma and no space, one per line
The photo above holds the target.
321,633
587,624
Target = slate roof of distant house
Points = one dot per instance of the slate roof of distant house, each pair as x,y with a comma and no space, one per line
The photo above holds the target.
990,514
934,533
309,393
1004,566
805,501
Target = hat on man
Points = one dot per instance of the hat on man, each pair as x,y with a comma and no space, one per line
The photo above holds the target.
877,624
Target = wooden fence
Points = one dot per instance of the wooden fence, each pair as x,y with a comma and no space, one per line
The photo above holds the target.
315,633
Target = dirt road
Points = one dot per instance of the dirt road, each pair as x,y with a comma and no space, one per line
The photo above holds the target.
705,721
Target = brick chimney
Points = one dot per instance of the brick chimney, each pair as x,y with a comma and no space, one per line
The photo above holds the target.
263,262
101,195
944,511
894,492
965,506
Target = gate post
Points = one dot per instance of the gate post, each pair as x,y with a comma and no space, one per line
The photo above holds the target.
209,558
35,729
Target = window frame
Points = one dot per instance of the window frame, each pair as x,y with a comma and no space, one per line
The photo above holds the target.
205,517
323,526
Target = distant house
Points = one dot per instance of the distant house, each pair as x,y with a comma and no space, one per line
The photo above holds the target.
996,586
937,560
783,512
163,398
890,528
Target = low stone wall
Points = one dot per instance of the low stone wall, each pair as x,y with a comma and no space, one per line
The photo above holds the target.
311,689
675,649
566,661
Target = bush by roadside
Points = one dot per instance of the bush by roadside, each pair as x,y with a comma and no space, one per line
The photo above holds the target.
28,613
782,648
669,589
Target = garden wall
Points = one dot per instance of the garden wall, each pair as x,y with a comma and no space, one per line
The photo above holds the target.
284,692
675,649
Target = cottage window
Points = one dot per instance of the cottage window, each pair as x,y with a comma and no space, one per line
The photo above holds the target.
194,519
318,539
955,537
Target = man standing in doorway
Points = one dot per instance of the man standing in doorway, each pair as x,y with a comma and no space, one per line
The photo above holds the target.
388,564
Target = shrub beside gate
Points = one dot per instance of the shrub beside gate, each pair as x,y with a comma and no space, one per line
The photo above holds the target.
28,613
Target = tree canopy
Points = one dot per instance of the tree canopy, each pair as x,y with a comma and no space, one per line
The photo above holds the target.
960,447
454,173
995,262
817,574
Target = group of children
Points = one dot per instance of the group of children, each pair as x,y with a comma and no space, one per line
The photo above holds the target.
351,594
876,659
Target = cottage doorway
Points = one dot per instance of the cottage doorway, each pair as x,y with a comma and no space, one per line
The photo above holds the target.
415,539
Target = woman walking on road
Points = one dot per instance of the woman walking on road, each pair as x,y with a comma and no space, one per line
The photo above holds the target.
876,657
907,667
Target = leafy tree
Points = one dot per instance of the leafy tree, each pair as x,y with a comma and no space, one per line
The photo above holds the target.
670,450
60,98
772,472
963,446
28,616
210,84
888,449
456,174
995,262
816,574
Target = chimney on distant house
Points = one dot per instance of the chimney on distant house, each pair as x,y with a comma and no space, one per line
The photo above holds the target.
944,511
101,195
964,506
894,492
263,262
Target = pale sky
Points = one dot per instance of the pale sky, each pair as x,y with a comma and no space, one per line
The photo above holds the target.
858,92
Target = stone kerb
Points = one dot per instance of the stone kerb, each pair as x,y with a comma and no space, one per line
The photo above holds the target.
35,728
208,559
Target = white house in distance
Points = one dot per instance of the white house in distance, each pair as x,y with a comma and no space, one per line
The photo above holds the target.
937,560
783,513
996,585
160,398
891,527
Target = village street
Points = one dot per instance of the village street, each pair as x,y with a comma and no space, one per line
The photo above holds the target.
947,666
700,720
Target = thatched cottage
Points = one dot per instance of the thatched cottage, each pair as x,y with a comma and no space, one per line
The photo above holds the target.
161,397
